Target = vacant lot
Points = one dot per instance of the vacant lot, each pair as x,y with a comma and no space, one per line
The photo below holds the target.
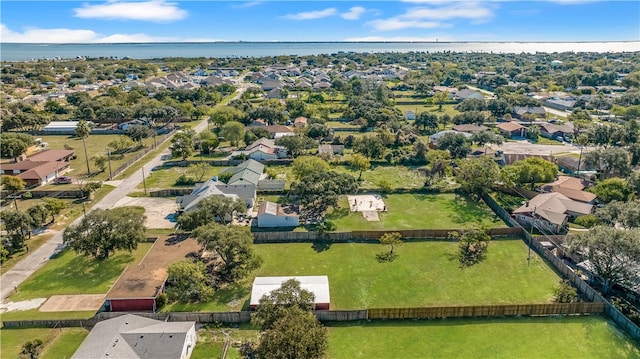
96,145
570,337
59,343
165,177
75,274
393,177
419,211
424,274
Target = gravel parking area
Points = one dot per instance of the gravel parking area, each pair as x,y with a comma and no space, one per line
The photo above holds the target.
159,211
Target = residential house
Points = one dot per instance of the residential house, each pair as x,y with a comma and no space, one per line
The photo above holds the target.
331,149
278,131
273,215
468,94
123,126
300,122
274,94
555,131
132,336
572,188
511,129
528,111
549,212
268,84
242,185
433,139
40,168
470,128
318,285
262,149
559,104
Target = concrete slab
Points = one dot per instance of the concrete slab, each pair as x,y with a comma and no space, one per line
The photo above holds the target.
366,202
22,305
160,212
73,303
371,216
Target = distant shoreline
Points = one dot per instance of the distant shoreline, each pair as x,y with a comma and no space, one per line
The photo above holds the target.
17,52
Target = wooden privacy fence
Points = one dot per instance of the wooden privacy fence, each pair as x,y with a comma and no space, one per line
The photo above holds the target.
566,272
369,236
486,311
48,193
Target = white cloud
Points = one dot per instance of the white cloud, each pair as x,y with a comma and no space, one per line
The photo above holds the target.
66,36
457,10
433,38
431,15
354,13
398,24
310,15
153,10
248,4
34,35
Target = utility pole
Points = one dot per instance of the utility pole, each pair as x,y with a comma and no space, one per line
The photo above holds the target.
109,160
144,183
533,224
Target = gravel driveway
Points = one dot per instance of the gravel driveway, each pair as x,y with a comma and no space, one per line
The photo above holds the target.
159,211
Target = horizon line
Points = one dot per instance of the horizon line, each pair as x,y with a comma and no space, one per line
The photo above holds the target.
326,42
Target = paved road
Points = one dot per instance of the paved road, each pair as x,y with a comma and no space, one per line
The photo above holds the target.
38,258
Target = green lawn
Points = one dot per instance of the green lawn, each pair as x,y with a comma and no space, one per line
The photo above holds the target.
569,337
59,343
96,144
424,274
419,211
166,177
75,274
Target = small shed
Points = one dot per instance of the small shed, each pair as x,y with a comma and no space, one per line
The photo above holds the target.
318,285
273,215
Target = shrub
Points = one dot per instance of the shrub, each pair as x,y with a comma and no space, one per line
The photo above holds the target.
587,221
564,292
162,300
183,180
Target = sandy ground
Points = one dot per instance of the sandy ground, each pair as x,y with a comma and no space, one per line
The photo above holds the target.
366,202
23,305
159,211
371,216
73,303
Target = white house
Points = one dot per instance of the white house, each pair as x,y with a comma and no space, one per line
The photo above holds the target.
273,215
131,336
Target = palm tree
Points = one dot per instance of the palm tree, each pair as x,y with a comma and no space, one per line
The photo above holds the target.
83,130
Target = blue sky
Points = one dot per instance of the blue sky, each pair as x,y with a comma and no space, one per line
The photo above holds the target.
411,20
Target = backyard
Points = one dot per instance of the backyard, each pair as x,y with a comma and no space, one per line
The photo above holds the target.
61,275
58,343
418,211
424,274
548,337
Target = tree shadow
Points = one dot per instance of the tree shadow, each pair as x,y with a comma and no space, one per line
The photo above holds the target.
321,245
466,211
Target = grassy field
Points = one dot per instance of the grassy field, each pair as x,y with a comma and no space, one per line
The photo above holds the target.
61,275
395,176
166,177
96,144
419,211
59,343
424,274
569,337
72,211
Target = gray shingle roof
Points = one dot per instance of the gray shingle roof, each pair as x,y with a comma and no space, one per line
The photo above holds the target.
132,336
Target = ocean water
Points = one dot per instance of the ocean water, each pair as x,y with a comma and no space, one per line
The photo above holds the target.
26,52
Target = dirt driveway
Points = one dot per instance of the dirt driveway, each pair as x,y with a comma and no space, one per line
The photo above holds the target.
535,149
159,211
